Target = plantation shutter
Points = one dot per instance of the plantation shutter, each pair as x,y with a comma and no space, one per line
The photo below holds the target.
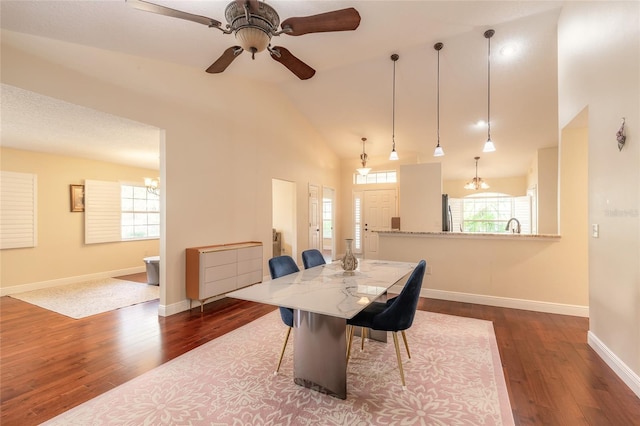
102,212
522,211
18,210
455,204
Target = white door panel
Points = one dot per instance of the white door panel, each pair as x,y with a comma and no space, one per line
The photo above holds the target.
314,217
379,208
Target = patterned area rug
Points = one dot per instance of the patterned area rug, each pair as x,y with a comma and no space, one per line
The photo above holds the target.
88,298
454,378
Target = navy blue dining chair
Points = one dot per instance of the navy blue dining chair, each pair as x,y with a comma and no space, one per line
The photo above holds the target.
279,267
396,315
312,257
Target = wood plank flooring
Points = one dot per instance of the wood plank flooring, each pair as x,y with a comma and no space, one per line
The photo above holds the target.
50,363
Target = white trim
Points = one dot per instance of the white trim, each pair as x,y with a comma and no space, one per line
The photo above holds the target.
503,302
630,378
185,305
174,308
5,291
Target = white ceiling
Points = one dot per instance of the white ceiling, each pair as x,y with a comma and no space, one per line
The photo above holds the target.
351,94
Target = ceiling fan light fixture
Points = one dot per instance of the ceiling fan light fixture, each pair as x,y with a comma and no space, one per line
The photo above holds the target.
252,39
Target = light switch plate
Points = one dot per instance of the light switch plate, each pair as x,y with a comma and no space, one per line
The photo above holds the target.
595,230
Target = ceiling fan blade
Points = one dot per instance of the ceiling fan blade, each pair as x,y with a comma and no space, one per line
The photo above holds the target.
167,11
338,20
225,60
295,65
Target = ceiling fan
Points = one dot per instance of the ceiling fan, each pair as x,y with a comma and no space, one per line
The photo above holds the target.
254,23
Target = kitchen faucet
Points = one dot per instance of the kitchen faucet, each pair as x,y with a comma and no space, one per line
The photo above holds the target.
517,230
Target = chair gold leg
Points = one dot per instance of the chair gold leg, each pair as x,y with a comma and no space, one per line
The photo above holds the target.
352,330
363,334
286,339
406,345
395,341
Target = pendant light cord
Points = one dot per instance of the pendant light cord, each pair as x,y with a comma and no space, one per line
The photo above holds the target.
393,113
438,99
489,88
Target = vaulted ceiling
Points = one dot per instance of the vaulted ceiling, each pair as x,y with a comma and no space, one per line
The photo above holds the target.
349,97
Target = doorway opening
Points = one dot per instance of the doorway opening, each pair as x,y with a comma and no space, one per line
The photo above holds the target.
283,199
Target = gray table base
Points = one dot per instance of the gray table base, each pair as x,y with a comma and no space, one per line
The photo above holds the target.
319,353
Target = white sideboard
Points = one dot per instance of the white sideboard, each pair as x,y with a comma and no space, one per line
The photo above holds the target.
215,270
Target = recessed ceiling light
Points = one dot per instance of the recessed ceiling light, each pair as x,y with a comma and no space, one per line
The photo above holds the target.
481,123
508,50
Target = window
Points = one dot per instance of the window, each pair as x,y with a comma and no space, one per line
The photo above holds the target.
140,217
357,222
490,212
327,228
389,176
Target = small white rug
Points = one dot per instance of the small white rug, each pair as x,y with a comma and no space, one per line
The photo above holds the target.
88,298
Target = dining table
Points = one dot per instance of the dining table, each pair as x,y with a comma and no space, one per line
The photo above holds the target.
323,298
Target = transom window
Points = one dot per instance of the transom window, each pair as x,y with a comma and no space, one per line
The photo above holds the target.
389,176
140,213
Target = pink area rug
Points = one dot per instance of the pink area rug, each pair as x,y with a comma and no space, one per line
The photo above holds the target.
454,378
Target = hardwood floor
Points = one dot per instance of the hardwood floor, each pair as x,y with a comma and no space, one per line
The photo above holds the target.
50,363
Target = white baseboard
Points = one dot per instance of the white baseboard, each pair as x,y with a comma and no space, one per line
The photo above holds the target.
621,369
184,305
6,291
503,302
174,308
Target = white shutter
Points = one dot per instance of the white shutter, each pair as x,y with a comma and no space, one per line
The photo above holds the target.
102,212
455,204
522,211
18,210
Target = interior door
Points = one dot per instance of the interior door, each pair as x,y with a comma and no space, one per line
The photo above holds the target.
379,207
314,217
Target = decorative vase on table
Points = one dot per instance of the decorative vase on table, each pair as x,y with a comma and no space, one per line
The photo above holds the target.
349,262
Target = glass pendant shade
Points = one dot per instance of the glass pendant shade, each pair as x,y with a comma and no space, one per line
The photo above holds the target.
488,146
363,171
438,152
394,155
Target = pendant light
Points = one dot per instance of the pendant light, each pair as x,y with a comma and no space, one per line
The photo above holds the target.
364,170
394,155
476,183
438,152
488,145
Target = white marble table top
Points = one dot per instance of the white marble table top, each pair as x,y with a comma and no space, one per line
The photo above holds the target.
327,289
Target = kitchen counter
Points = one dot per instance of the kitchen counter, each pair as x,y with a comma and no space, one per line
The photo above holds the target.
473,235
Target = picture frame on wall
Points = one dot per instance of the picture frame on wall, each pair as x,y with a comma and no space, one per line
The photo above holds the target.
77,198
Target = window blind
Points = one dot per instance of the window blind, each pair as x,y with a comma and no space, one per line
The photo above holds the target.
18,210
101,212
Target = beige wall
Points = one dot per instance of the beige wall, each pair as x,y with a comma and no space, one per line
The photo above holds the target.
421,201
225,140
547,190
61,253
598,69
